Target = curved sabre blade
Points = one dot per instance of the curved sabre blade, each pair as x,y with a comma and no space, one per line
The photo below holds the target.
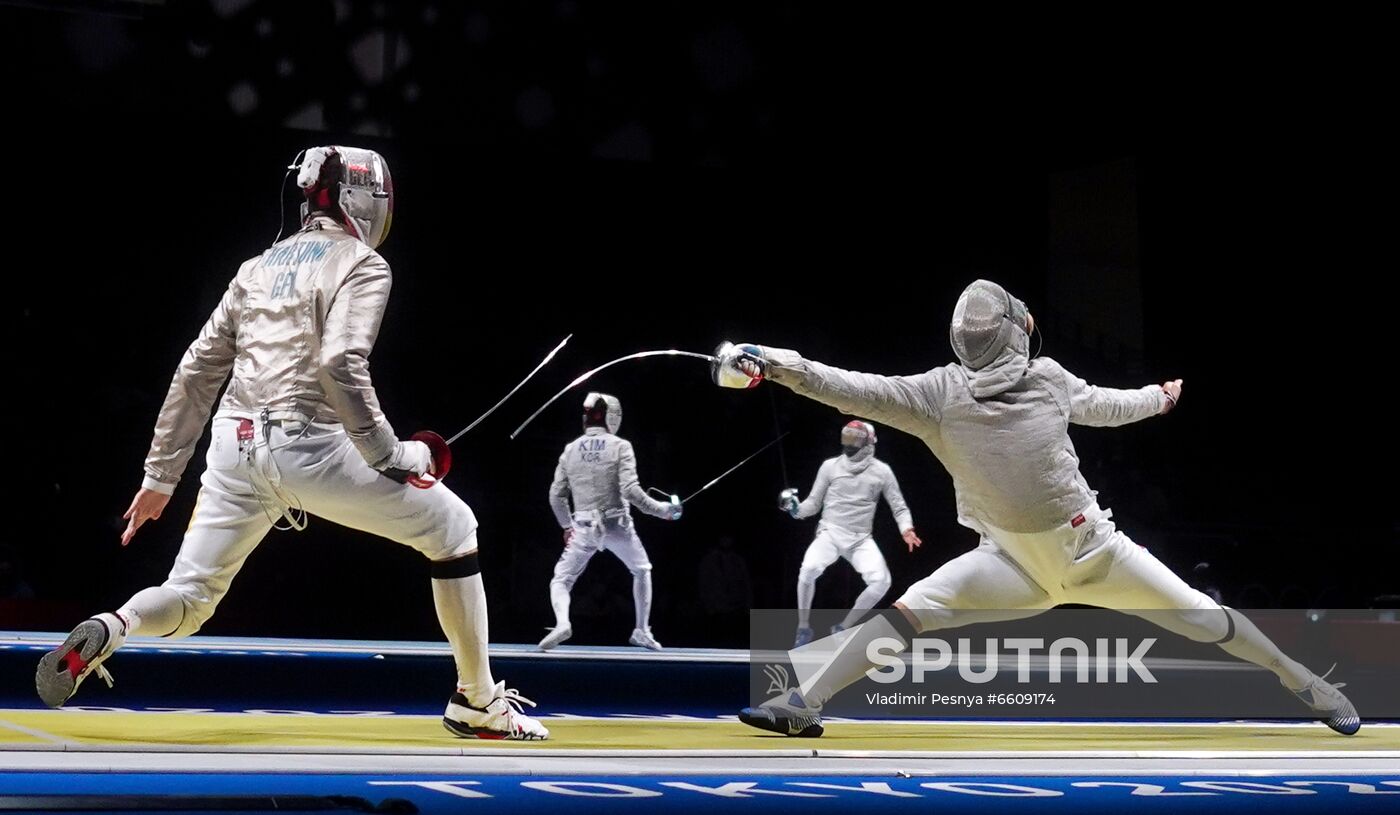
584,377
527,378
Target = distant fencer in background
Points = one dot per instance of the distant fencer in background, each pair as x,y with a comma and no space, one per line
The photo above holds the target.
847,490
999,422
598,471
300,430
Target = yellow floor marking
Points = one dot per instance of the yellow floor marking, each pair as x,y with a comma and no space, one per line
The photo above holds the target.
253,731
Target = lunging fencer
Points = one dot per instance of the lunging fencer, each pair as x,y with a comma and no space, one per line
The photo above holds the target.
999,423
300,431
598,471
847,490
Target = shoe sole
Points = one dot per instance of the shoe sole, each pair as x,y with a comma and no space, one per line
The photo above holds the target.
56,678
463,731
781,726
1347,726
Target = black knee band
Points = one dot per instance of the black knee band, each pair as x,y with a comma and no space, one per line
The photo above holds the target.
464,566
901,624
1230,630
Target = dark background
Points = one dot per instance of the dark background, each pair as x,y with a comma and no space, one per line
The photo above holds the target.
1176,197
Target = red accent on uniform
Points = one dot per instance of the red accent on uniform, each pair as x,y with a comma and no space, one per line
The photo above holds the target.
245,429
76,663
1077,522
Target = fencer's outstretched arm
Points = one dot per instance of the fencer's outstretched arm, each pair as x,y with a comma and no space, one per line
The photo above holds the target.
908,403
895,498
816,499
200,375
559,495
1109,407
629,485
352,325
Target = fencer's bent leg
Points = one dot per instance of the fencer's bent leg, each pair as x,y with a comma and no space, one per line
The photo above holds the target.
572,561
328,475
460,600
1116,573
227,525
820,554
156,612
983,580
866,558
623,542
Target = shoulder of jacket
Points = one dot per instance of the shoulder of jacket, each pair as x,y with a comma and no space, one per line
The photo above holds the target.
246,267
361,256
1045,365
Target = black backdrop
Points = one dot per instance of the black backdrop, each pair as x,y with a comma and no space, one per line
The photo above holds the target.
670,176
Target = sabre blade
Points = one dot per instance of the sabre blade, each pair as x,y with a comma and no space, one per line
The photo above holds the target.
527,378
749,458
585,376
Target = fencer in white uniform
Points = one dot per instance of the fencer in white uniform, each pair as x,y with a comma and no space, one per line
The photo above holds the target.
598,470
299,431
999,423
846,492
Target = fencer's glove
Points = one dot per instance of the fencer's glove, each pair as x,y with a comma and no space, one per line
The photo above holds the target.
738,365
421,462
675,507
410,458
787,501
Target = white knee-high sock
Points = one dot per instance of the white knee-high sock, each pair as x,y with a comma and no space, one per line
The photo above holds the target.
806,587
460,599
641,597
559,599
156,611
847,665
1252,645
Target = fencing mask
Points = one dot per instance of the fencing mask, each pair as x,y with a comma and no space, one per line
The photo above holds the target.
602,410
985,320
353,181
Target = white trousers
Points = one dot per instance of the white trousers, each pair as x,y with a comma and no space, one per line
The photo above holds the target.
320,468
591,537
1012,575
859,551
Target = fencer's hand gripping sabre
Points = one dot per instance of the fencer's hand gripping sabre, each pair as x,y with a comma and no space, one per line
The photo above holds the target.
729,366
739,366
441,449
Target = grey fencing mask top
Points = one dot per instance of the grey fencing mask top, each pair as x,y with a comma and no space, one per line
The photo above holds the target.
986,319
